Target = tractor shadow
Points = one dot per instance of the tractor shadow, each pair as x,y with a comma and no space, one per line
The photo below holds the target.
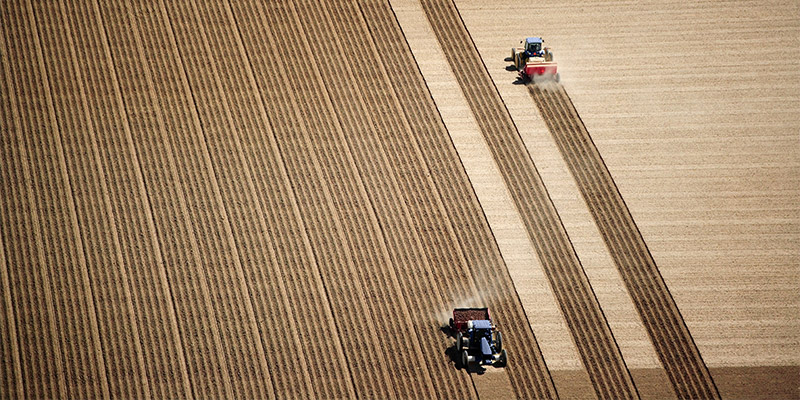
520,81
454,357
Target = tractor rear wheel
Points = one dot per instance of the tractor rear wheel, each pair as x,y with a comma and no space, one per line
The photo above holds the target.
503,359
498,341
459,341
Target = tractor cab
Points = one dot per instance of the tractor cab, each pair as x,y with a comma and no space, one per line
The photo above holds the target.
533,46
478,342
533,59
480,337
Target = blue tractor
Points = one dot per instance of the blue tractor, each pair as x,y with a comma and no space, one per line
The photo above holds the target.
478,342
533,48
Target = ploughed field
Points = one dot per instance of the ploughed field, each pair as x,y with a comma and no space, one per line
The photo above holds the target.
272,199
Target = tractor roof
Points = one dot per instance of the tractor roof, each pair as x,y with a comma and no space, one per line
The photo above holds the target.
533,40
481,324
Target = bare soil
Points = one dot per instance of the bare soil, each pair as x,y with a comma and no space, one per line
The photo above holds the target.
277,200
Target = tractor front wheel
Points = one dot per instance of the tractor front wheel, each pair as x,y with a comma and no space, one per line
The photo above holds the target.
464,359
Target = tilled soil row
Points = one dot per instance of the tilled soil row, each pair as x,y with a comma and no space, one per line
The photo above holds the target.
137,37
343,145
661,317
331,199
50,282
244,367
365,124
121,344
293,288
157,329
397,185
263,273
593,337
318,324
164,359
26,295
11,374
468,248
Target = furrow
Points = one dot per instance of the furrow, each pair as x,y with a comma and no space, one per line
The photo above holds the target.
289,237
669,334
199,329
249,370
296,361
38,334
73,298
360,134
593,337
165,363
246,216
109,276
415,192
296,117
357,219
11,383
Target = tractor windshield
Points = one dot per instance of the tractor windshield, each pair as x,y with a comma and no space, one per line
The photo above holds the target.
534,47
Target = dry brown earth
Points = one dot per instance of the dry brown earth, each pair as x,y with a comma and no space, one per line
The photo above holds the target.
268,199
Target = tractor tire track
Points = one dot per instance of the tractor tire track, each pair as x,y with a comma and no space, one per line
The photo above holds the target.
593,337
670,336
119,330
468,233
163,359
75,314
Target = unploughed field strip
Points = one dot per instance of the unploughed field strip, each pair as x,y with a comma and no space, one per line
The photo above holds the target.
592,335
662,319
